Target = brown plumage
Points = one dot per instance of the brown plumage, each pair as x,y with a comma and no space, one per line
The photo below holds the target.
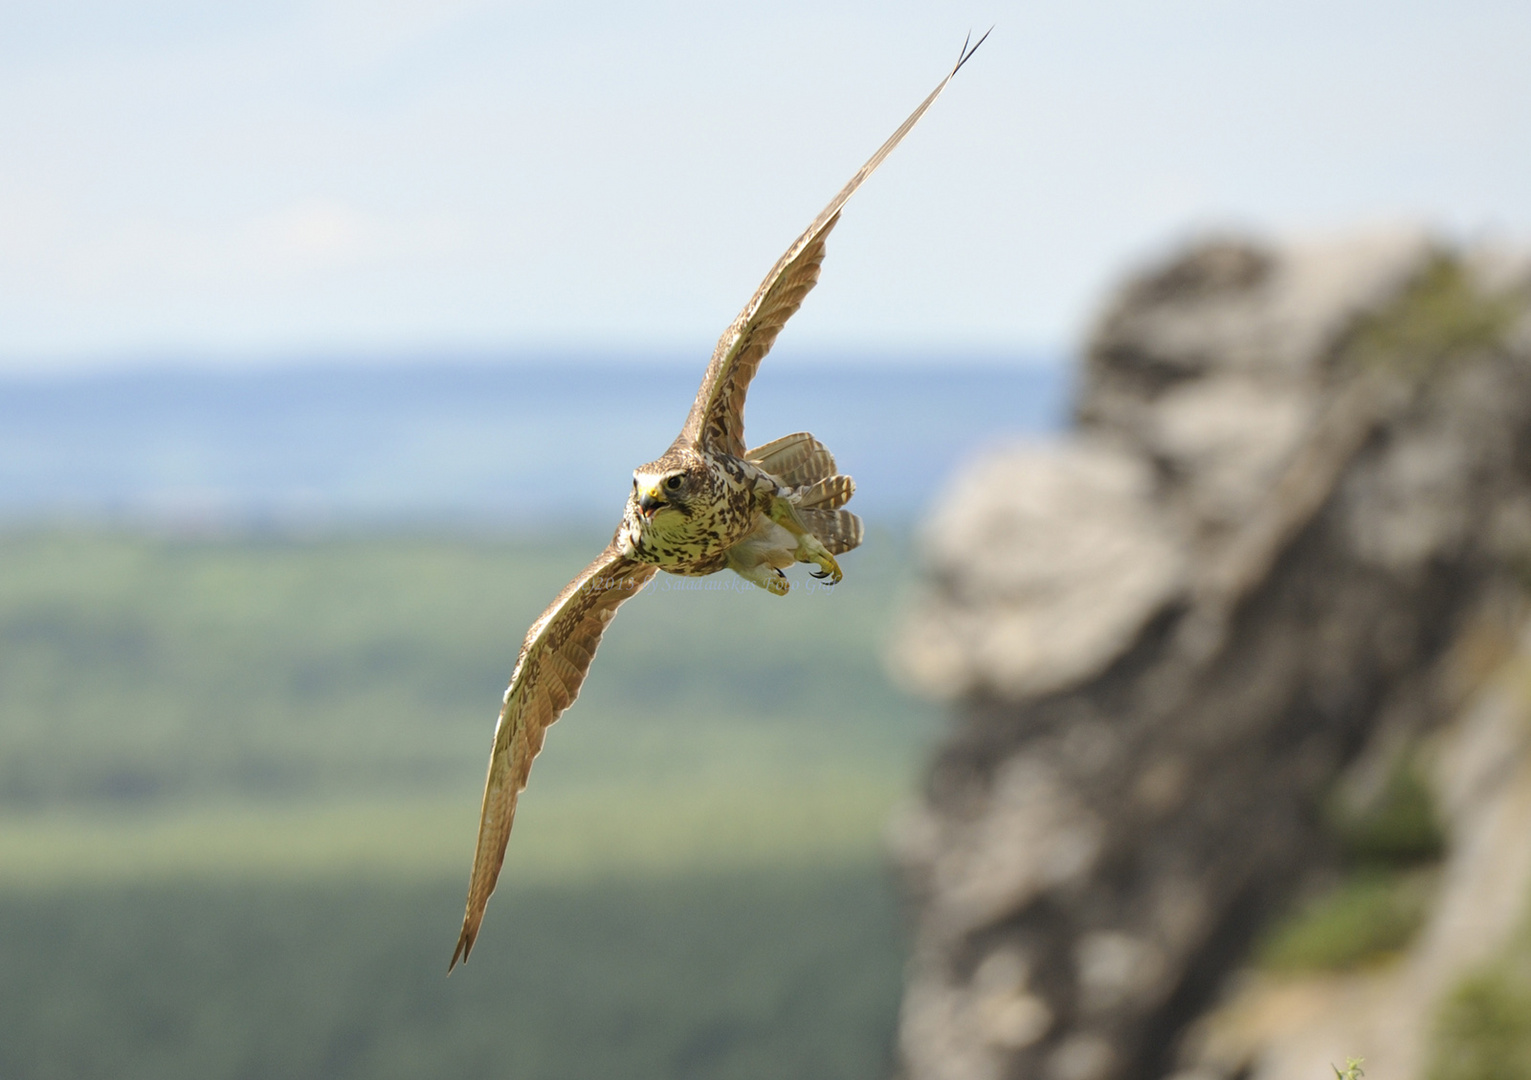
554,660
707,503
717,417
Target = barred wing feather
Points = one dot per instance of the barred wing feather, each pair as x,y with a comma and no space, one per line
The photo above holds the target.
554,659
716,421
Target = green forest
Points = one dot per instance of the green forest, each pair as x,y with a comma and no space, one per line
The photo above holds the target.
239,780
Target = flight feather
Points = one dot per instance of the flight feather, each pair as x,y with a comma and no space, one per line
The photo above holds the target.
549,672
716,420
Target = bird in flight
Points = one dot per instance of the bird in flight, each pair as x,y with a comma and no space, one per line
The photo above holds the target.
704,505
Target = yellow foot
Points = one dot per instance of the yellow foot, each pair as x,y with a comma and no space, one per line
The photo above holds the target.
828,568
766,577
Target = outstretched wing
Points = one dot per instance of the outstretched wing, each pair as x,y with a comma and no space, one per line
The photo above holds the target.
549,672
716,421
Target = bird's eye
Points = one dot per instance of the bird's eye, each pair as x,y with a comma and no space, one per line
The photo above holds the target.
672,484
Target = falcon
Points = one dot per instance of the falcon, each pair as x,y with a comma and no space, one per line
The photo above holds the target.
704,505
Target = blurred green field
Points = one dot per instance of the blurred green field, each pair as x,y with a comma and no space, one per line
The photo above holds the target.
741,975
238,791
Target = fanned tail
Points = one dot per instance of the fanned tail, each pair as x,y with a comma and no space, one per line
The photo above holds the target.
795,460
837,530
830,493
805,466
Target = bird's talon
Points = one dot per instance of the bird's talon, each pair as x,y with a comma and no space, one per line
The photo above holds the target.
828,570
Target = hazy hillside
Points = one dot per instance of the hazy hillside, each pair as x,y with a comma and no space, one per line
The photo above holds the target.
527,444
241,749
238,793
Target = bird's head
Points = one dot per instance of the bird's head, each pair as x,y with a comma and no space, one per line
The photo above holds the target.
668,486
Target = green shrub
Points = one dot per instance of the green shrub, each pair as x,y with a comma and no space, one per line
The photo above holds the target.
1443,313
1399,827
1483,1031
1370,915
1384,896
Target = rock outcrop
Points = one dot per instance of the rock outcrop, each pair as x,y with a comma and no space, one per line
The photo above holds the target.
1284,550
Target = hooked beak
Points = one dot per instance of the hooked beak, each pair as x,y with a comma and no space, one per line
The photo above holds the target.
649,503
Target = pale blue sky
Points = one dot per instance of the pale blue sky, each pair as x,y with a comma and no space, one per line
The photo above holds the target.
250,181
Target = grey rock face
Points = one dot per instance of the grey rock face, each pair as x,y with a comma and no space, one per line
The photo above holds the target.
1030,614
1298,471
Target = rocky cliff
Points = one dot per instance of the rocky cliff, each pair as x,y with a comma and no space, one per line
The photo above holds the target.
1247,647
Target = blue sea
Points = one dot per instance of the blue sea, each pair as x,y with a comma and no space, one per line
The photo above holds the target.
525,443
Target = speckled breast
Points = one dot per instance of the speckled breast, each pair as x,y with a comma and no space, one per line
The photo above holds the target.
698,544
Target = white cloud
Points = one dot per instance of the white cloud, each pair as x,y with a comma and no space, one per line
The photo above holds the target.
45,247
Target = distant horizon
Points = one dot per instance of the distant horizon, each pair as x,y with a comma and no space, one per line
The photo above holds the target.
531,444
194,362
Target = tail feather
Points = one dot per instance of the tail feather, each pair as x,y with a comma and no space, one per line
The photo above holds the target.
796,460
830,493
801,462
837,530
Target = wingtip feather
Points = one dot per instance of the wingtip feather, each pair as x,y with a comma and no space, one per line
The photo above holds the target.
967,54
464,947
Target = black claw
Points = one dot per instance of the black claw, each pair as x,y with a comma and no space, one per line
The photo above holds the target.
821,574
